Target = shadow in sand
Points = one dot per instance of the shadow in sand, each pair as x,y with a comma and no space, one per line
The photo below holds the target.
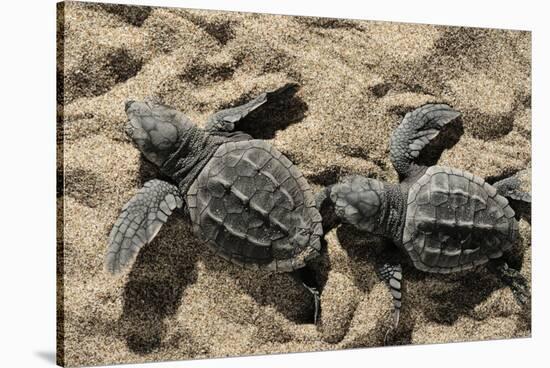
468,290
446,139
365,251
48,356
281,111
149,171
368,253
162,271
282,291
329,175
289,296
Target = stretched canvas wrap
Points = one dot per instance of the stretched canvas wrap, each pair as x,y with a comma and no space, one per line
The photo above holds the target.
236,184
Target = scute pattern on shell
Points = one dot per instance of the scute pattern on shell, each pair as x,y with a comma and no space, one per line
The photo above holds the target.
455,221
252,206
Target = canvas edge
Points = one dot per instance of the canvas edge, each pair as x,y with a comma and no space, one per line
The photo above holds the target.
60,176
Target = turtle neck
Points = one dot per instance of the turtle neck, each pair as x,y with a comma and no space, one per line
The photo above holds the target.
194,152
196,149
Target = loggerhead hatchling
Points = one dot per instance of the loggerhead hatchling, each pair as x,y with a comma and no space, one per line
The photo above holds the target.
247,202
445,219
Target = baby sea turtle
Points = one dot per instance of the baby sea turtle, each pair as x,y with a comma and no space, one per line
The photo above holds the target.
445,219
247,202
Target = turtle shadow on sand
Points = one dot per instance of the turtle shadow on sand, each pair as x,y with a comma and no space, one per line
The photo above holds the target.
289,297
164,268
441,298
443,307
367,254
283,291
288,109
364,252
463,293
153,293
147,171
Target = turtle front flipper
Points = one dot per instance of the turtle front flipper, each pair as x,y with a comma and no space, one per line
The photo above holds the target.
139,222
225,120
415,131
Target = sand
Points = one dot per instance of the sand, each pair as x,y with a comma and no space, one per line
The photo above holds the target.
357,79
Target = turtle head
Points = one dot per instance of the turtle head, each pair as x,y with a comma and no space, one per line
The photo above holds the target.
360,201
155,129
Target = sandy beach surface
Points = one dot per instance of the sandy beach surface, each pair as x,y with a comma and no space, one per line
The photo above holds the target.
357,79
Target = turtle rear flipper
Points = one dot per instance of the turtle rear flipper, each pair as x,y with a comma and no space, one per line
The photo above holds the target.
139,222
415,131
512,278
514,190
225,120
306,276
511,188
392,275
